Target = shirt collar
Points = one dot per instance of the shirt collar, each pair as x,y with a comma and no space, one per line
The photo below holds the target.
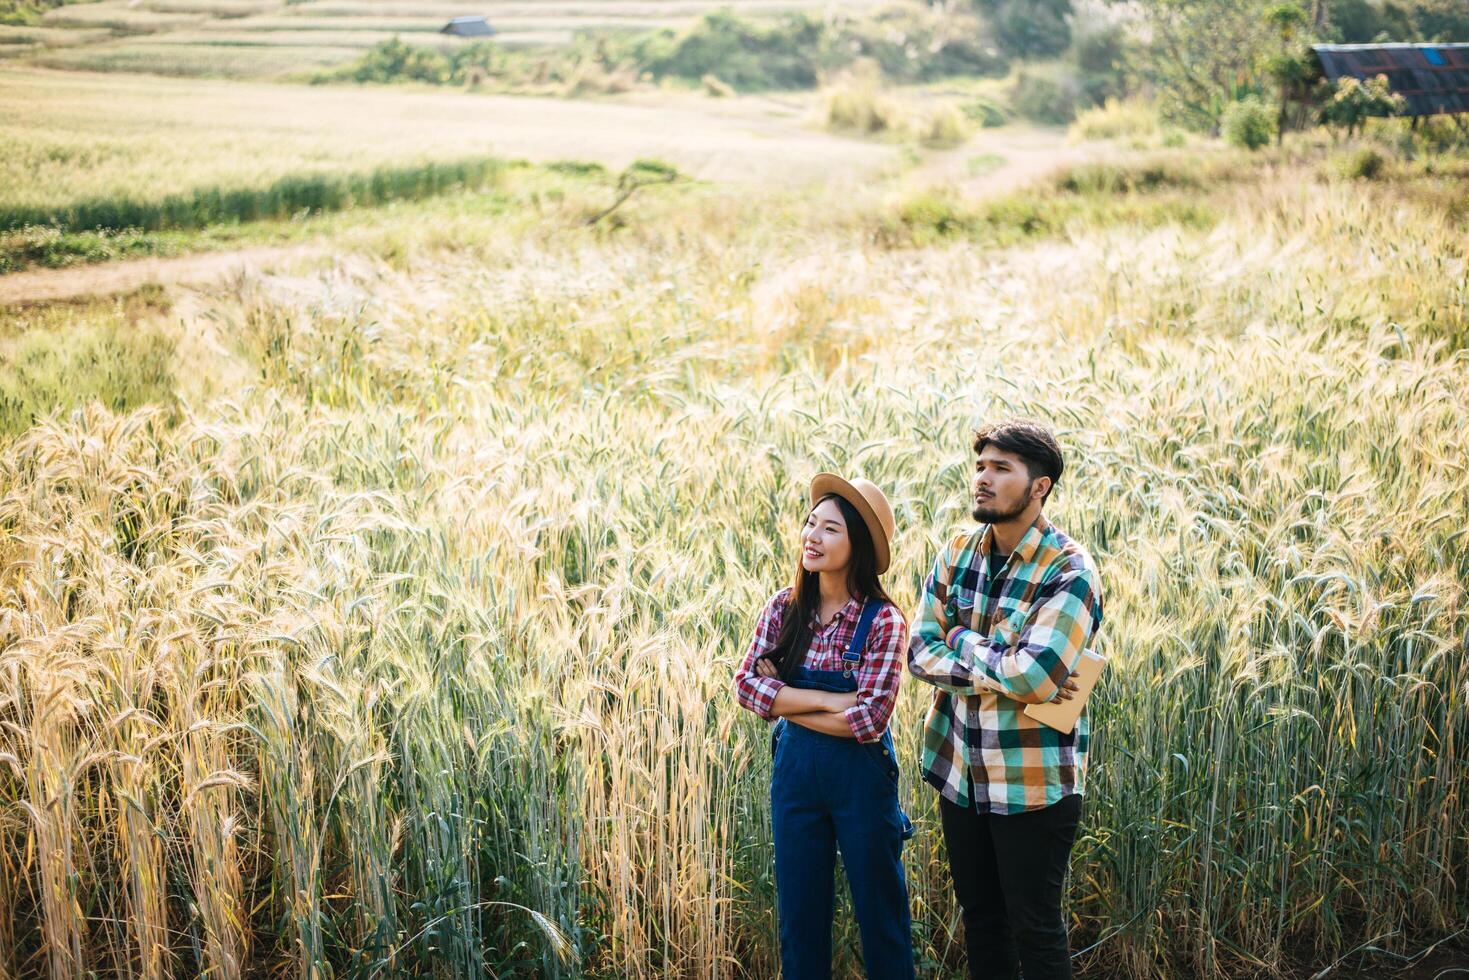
1030,541
849,612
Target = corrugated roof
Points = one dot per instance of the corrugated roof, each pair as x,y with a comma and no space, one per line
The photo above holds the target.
1433,78
475,26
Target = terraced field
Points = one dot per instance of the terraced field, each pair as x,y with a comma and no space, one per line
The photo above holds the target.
266,39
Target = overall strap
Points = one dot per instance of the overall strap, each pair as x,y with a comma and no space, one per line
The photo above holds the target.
853,655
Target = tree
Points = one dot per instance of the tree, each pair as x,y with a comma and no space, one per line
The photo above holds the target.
1207,54
1352,102
1293,67
1030,28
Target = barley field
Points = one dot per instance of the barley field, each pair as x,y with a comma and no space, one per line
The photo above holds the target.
380,618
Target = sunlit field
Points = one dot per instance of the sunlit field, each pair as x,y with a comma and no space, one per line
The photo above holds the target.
174,153
384,624
131,31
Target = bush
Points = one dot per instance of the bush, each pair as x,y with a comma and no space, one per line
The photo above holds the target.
1116,120
1351,102
1099,52
53,248
1031,28
915,43
746,54
984,111
723,52
717,87
1364,163
946,126
1248,123
1049,98
856,103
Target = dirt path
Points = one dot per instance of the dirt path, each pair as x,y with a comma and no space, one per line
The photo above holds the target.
1007,159
992,162
110,278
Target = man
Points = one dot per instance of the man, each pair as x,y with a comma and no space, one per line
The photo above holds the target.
1004,617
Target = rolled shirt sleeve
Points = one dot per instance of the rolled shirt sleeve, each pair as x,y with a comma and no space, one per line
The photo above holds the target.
756,693
879,675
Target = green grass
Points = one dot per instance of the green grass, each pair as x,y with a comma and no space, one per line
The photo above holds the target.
519,186
65,357
283,198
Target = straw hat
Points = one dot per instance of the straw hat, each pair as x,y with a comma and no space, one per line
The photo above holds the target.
870,502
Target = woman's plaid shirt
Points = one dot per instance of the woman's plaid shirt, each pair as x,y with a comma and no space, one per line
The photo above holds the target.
991,652
877,678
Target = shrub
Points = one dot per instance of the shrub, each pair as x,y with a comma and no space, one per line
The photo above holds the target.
51,247
745,54
1045,97
1352,102
856,103
984,111
716,87
1363,163
945,126
1116,120
1031,28
1248,123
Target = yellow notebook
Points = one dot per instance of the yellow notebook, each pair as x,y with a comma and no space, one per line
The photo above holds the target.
1062,715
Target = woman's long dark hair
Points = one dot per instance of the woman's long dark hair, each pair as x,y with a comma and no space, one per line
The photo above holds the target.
795,625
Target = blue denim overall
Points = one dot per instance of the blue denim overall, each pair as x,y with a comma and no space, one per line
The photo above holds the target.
829,794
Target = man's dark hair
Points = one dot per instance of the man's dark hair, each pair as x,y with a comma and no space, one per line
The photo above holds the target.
1031,441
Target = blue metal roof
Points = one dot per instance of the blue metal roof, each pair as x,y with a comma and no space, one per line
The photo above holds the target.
472,26
1431,78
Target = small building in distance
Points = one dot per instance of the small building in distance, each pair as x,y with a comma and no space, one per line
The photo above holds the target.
1431,78
475,26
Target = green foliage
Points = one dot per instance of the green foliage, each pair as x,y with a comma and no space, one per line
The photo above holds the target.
1350,102
746,54
1363,21
1146,194
396,60
858,105
1133,120
1205,55
1363,163
53,248
945,126
1030,28
62,360
857,102
1047,94
722,52
288,196
26,13
985,112
1248,123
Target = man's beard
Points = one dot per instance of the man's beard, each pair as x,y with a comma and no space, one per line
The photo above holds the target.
990,514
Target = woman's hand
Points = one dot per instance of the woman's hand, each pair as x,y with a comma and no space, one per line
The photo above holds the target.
765,667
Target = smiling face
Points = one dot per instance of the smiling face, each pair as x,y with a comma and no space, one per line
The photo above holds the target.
1002,487
825,544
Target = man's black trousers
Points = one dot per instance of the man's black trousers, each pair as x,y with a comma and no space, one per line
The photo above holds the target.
1009,872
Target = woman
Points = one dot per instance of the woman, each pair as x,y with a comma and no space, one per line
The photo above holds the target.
825,663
